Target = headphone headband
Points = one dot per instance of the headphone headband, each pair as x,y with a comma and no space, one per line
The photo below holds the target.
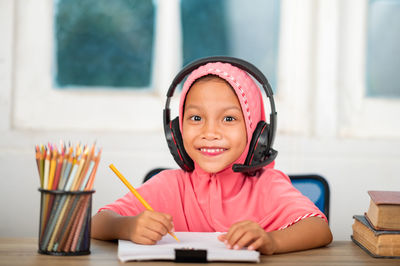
244,65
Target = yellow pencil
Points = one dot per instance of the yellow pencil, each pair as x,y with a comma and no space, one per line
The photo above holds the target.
53,164
134,192
46,170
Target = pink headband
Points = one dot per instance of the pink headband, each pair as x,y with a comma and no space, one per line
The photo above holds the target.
247,91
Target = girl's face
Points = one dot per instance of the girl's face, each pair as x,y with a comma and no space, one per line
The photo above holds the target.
214,130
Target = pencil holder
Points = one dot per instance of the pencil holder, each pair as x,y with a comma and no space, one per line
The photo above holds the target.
65,217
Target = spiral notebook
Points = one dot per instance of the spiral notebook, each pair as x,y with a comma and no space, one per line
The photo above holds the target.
193,247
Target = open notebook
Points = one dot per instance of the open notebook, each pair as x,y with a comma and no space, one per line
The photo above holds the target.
193,246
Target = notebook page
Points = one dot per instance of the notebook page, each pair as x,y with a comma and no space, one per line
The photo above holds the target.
165,248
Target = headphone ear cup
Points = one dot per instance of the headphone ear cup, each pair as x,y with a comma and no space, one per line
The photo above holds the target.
259,145
175,144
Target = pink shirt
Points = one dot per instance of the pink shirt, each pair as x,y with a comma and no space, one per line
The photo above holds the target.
203,202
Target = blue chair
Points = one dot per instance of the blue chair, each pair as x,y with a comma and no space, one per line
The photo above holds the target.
315,187
152,173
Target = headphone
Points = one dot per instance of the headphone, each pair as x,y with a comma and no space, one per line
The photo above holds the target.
260,151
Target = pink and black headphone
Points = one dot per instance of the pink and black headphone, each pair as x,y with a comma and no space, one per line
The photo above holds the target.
260,151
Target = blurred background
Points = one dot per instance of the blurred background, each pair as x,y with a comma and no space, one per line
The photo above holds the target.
98,70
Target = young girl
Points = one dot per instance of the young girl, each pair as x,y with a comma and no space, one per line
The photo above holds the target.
220,107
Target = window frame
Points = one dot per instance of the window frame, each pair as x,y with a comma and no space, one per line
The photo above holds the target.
87,109
295,81
77,109
321,76
361,116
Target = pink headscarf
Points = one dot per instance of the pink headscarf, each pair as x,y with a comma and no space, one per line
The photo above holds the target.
247,91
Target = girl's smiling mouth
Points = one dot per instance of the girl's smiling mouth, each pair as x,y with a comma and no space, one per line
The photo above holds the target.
212,151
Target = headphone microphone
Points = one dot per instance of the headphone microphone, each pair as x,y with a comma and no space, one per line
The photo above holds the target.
260,151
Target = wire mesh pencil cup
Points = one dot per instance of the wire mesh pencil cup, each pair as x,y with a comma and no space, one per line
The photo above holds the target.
65,218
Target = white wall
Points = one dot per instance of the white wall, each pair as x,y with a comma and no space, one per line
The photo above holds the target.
352,164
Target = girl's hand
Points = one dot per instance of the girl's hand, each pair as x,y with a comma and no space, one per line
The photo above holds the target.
249,234
149,227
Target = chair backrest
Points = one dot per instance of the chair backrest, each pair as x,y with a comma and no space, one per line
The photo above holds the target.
152,173
315,187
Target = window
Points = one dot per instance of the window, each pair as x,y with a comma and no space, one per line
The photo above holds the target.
232,28
86,102
368,78
383,49
101,43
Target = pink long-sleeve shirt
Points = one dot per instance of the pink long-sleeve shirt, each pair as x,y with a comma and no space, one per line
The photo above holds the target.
203,202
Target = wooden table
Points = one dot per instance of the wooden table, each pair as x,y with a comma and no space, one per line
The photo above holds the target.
23,251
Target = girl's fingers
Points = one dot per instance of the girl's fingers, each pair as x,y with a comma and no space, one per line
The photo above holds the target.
144,240
244,234
152,234
222,237
234,237
233,229
165,220
245,240
255,245
157,226
157,221
151,226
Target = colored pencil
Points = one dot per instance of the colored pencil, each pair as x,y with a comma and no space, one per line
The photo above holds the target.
63,167
46,169
45,184
86,168
42,157
58,172
67,172
89,186
79,221
53,164
37,156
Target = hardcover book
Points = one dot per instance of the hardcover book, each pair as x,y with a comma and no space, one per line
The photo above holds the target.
384,210
377,243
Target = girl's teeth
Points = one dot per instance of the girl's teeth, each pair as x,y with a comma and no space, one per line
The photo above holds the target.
212,150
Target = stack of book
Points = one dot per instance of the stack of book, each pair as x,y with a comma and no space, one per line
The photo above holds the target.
378,230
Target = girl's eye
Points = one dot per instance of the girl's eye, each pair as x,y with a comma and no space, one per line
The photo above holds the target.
229,119
195,118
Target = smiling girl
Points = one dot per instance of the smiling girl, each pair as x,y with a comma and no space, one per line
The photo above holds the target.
220,107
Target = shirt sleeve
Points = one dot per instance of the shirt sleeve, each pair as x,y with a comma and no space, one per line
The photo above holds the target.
283,203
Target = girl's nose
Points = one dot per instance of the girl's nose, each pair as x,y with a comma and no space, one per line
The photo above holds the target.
211,131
